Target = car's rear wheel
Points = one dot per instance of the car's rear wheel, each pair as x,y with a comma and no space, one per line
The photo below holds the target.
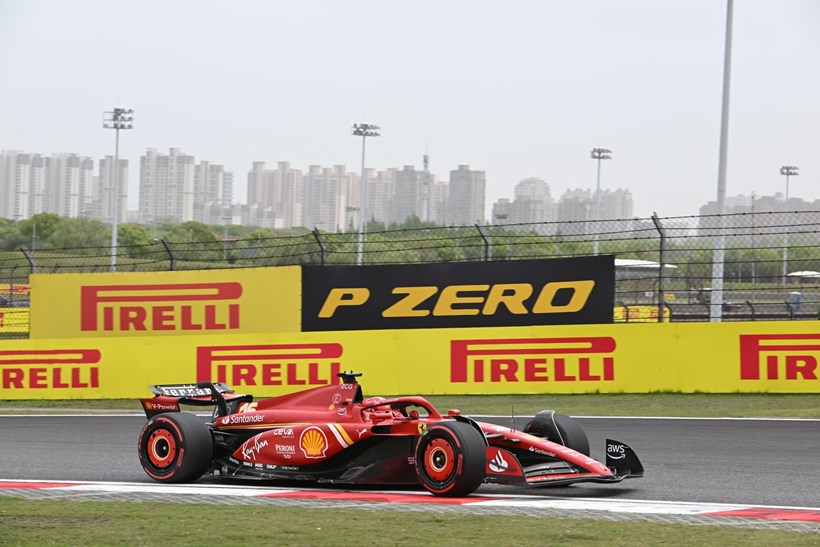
560,429
175,447
450,459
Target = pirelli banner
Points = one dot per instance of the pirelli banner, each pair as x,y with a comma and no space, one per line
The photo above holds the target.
323,298
772,357
14,321
165,303
486,294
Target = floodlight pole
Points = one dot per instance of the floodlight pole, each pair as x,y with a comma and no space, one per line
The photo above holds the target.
599,154
363,130
225,219
787,171
119,118
716,299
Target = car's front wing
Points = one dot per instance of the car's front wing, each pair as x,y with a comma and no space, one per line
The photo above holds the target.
561,466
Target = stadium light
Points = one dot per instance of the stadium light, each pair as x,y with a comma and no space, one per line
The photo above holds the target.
787,171
363,130
599,154
118,119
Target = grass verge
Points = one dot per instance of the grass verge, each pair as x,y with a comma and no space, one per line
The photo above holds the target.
40,522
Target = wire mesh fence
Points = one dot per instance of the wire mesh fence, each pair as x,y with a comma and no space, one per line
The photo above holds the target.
770,267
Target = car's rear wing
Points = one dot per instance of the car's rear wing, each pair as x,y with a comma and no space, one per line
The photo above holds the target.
168,398
189,390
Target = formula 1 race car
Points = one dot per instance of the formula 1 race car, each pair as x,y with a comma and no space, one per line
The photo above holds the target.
332,434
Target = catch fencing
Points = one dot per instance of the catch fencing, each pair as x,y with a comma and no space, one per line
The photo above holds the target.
770,261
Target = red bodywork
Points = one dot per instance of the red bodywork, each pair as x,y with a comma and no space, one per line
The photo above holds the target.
294,435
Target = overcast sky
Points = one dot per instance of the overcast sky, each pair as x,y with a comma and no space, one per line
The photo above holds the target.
517,89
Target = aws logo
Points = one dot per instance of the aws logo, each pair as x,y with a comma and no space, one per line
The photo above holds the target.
526,292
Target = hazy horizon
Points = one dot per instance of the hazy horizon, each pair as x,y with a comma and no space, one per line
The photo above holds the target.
517,90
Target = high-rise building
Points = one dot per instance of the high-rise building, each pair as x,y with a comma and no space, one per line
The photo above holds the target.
103,208
763,215
758,204
63,184
533,204
37,185
379,196
616,204
466,201
579,205
257,186
407,195
438,195
227,188
211,185
166,187
69,185
287,192
325,198
275,196
502,211
15,184
575,208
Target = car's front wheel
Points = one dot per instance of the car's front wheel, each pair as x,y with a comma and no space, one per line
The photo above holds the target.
560,429
175,447
450,459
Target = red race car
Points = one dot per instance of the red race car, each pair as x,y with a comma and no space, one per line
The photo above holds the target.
333,434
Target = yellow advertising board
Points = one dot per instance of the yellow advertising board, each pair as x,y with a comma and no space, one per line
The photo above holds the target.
14,288
777,357
638,314
14,320
141,304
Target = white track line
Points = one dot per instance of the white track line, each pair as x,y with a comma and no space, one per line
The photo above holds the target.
811,514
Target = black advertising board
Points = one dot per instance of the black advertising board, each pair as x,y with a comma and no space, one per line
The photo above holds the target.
562,291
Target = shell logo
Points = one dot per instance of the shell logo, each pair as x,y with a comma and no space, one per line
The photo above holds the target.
313,442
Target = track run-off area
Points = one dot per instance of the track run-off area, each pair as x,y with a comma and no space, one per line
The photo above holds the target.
749,472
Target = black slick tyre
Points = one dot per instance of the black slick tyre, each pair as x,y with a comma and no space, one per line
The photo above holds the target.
560,429
175,447
450,459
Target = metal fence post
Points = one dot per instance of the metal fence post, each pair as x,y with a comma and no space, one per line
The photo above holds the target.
11,284
322,248
171,257
662,266
32,264
488,247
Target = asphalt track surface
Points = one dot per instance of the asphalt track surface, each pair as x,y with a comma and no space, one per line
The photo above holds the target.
762,462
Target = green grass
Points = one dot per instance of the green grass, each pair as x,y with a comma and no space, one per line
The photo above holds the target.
652,404
39,522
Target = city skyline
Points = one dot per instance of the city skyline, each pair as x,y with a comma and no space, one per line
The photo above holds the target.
176,188
134,189
518,91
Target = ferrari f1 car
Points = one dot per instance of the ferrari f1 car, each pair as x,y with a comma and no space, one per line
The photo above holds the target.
333,434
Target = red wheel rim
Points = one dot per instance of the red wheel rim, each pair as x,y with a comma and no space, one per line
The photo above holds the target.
162,448
439,459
